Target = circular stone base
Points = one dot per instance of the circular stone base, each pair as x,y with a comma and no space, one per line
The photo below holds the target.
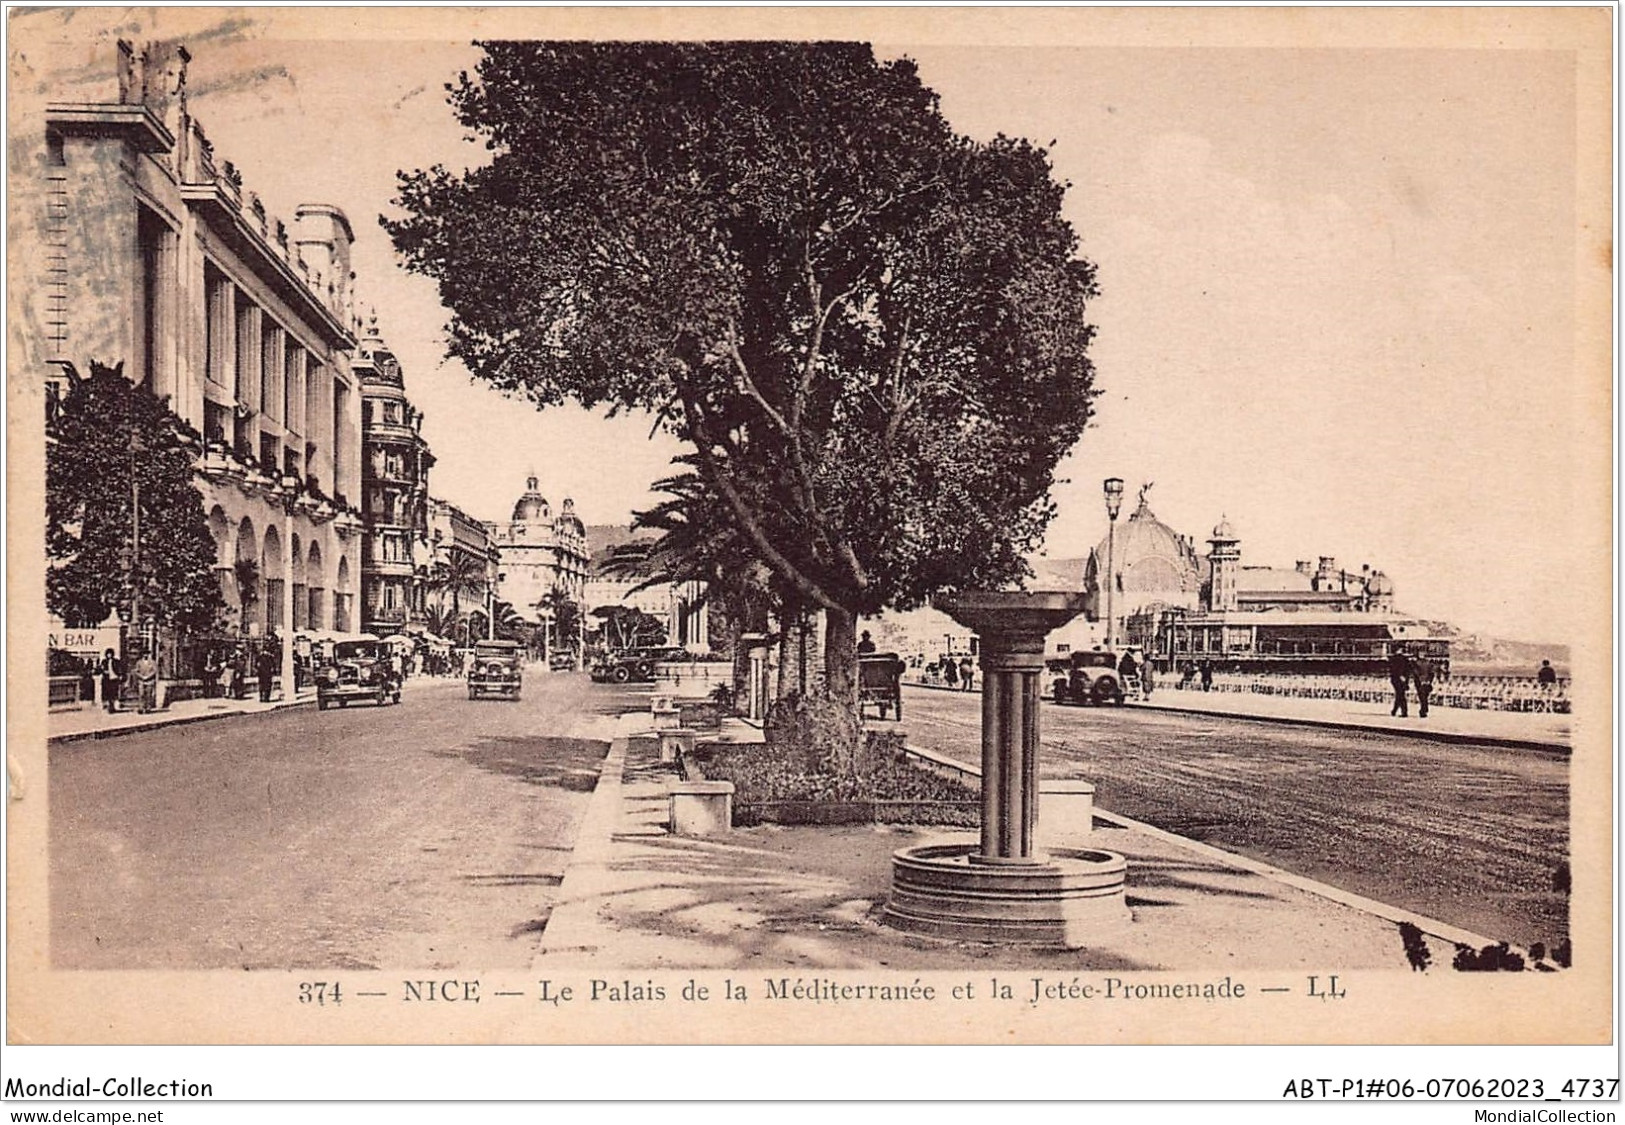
1065,899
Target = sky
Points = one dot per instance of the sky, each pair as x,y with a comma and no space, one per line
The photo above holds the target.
1339,285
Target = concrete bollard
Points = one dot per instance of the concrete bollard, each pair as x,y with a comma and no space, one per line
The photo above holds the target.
676,741
1066,812
665,714
700,808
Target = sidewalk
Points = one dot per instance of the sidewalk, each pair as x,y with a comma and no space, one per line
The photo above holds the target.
1526,729
93,722
636,896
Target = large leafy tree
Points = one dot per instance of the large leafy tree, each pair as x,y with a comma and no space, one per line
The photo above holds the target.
871,329
107,433
627,627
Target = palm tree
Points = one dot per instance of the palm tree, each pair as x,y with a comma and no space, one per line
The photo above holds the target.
555,605
508,622
439,620
461,573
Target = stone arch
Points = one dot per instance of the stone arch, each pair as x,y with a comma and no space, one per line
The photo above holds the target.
247,549
296,580
273,580
220,529
343,597
316,588
248,546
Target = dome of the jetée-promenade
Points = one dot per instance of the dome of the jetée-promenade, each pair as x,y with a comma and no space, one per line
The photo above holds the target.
1151,556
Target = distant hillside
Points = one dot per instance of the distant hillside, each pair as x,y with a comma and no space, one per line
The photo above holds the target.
1498,652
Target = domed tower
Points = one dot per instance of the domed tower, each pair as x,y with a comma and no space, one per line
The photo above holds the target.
532,507
1153,564
542,554
1224,556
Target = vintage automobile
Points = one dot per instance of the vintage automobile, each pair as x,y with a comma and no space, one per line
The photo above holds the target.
631,665
358,669
1088,677
562,662
494,670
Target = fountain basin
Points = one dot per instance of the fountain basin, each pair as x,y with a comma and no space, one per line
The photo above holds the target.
1065,898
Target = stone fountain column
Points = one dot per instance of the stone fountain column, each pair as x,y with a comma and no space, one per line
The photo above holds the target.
1006,889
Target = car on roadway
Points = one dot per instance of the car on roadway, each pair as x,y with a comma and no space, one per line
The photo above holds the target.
494,672
1088,677
358,669
562,662
633,665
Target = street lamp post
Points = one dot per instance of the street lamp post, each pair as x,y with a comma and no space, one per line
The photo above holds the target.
137,448
285,610
1114,504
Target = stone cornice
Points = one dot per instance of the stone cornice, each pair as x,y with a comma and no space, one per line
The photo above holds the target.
133,123
217,207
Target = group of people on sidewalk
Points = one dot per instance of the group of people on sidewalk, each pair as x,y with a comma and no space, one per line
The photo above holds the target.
113,673
1405,670
227,676
117,676
1189,671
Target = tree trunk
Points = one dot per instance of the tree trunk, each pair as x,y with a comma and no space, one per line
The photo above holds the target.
841,657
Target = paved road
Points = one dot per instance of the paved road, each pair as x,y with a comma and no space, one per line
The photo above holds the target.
1467,834
428,834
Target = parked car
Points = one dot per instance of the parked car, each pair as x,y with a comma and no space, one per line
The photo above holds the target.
562,662
1087,677
632,665
359,669
495,671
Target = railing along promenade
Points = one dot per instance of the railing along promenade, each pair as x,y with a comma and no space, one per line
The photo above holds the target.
1472,693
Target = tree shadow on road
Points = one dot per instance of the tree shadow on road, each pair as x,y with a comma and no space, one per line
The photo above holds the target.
566,763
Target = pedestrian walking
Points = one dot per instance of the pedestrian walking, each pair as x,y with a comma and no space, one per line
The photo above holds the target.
212,670
1399,674
1127,668
1422,676
265,666
1147,680
866,644
950,672
1547,676
239,672
112,672
1207,675
967,673
146,683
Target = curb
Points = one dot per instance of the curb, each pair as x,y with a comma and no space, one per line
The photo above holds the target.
181,721
1541,745
1455,935
572,924
1544,746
